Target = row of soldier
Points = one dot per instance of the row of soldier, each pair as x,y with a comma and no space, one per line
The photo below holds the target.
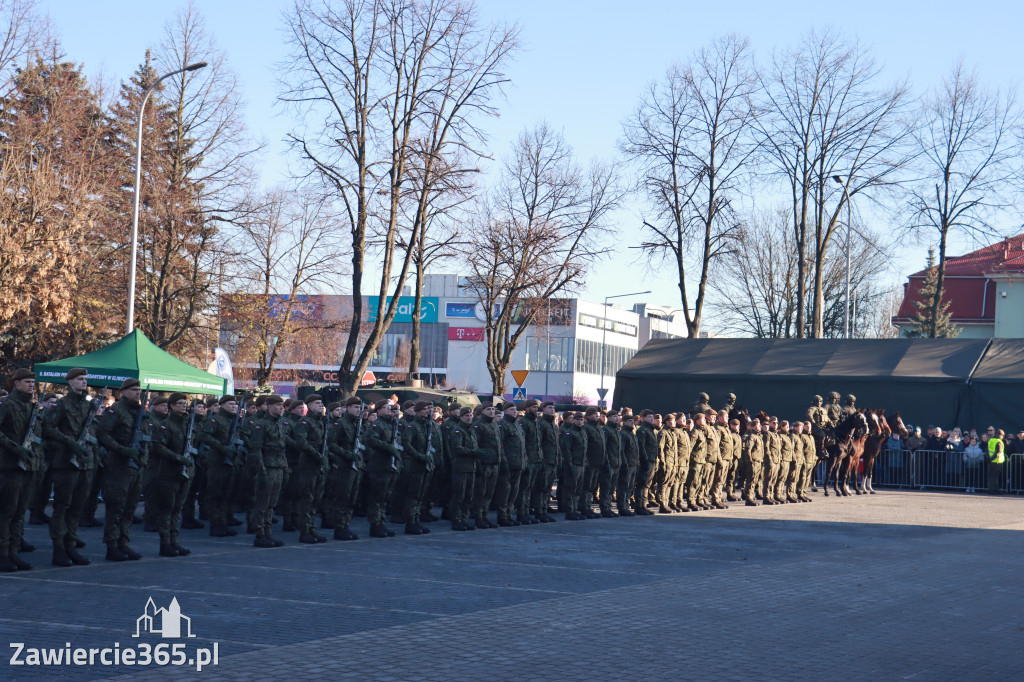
301,458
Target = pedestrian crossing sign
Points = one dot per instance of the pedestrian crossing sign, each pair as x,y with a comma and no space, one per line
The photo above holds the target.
518,394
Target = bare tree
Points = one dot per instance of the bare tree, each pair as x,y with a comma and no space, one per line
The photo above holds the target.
823,117
755,288
540,233
22,34
377,83
690,138
971,166
286,254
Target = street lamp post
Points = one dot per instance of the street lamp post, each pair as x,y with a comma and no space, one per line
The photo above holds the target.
604,328
138,177
849,229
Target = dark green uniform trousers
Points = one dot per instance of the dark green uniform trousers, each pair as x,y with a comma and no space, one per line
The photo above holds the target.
546,474
591,474
121,488
607,482
267,493
15,488
526,483
70,490
506,489
461,491
644,476
170,498
344,491
379,487
415,478
220,482
627,482
306,483
483,489
569,485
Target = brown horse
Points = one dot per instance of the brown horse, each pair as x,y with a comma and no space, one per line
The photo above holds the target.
849,444
878,433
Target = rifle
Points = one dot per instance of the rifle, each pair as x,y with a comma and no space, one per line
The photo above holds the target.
31,438
188,451
395,444
323,444
430,445
138,437
359,430
86,437
234,442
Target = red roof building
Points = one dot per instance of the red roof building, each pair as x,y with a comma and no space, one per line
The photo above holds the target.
985,290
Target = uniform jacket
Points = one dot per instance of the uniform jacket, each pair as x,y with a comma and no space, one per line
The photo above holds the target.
648,443
465,450
612,446
115,431
380,446
61,428
489,439
550,447
513,442
168,449
272,443
629,448
574,445
596,456
531,433
15,414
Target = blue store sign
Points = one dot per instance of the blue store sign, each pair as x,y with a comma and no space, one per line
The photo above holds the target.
428,308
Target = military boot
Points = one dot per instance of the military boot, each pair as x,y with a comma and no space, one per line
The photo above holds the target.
129,552
71,552
60,557
263,541
114,553
20,563
307,538
378,531
166,549
344,534
182,551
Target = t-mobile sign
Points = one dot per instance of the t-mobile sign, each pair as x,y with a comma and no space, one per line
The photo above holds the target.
465,333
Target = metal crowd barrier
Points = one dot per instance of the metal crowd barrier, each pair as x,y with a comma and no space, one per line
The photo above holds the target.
948,470
938,469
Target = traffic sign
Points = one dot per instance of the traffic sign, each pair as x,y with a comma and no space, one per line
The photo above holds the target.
601,393
518,394
602,403
520,375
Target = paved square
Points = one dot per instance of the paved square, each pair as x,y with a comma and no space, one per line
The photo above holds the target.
899,585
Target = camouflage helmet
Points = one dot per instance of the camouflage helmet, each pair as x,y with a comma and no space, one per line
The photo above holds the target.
833,395
731,397
851,398
704,397
817,400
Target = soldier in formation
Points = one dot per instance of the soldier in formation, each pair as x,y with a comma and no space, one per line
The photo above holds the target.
298,458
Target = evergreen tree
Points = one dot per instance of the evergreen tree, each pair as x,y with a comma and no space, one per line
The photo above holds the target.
924,325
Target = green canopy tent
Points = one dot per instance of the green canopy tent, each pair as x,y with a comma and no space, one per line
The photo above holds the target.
135,357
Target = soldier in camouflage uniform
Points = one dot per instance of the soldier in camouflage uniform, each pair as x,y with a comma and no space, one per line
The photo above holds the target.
510,473
158,410
630,452
547,432
849,405
699,444
345,452
122,483
489,442
530,424
785,462
174,467
677,493
596,458
810,463
72,465
724,461
753,459
307,434
647,442
796,471
383,463
737,450
220,465
712,462
772,461
609,478
573,446
702,404
270,464
833,409
666,463
417,465
17,464
465,451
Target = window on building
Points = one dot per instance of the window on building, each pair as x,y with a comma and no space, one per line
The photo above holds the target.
608,324
588,357
549,355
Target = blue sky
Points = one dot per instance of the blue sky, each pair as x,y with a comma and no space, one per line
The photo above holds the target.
583,66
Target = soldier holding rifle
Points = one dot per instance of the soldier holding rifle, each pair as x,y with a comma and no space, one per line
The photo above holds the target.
18,419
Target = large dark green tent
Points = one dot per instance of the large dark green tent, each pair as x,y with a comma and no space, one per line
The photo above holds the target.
135,357
925,379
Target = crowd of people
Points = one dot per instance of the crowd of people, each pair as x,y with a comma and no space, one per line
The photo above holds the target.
310,466
954,458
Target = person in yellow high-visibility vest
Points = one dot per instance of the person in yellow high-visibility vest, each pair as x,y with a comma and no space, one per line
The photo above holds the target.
996,457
